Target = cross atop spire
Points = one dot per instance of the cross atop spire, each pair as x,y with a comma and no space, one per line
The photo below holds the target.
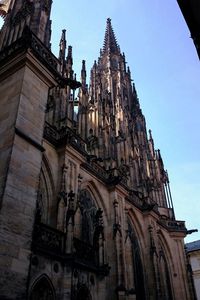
110,41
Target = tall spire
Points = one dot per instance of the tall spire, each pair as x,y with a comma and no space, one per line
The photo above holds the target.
110,41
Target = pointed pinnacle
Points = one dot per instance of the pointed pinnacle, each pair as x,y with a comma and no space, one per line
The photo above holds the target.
83,65
110,41
83,73
62,45
150,134
69,55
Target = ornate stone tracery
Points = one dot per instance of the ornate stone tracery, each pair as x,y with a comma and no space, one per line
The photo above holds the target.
26,10
92,219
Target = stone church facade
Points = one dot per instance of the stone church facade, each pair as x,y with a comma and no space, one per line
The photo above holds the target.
85,205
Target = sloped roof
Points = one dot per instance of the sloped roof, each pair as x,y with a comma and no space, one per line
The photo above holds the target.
193,246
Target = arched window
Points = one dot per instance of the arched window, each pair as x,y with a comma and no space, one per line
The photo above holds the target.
42,289
42,200
46,208
83,293
89,230
88,212
166,291
137,267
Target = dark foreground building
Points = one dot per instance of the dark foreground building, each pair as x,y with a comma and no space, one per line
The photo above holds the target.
191,12
85,205
193,256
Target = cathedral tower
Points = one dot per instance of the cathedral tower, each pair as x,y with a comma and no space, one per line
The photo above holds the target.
85,204
115,121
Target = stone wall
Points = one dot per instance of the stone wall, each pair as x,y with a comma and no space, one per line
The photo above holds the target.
23,100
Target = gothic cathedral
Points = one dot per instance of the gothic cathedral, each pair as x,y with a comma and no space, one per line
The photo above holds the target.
85,206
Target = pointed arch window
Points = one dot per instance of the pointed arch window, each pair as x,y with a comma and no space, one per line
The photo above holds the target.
83,293
166,292
42,201
46,208
89,245
138,285
88,212
42,289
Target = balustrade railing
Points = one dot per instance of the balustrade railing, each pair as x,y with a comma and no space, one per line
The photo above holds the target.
135,199
48,239
68,136
64,135
174,225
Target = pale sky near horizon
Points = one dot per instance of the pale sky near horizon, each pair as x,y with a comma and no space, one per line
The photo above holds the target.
166,71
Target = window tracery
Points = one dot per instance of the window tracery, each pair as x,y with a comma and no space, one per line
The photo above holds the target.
88,211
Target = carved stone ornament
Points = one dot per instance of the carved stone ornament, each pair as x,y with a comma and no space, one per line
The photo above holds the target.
47,5
27,9
4,6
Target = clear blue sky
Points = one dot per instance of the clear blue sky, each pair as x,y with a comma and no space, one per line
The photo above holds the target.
166,70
